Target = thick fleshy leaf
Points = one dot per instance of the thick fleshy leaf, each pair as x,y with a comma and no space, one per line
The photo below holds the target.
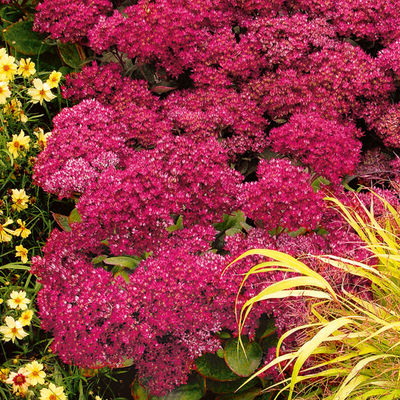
62,221
138,392
249,395
243,360
229,386
21,37
74,217
212,367
184,392
71,54
122,261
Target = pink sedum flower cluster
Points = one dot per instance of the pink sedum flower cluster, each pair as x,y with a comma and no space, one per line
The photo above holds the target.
214,106
329,148
282,197
159,319
85,141
69,20
178,177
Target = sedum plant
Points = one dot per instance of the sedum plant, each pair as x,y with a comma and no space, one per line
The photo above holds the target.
350,347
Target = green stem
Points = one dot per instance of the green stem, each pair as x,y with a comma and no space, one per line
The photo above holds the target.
47,111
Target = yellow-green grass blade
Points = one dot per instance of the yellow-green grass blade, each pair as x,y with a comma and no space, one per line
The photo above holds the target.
345,391
362,270
316,294
285,357
374,311
394,326
289,261
309,347
372,393
332,372
333,361
277,287
358,368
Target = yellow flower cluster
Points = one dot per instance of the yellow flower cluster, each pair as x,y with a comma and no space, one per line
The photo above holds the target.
20,202
13,329
20,199
39,92
41,138
32,374
20,143
8,67
14,108
7,233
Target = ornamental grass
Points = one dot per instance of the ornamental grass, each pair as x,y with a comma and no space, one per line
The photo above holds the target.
350,347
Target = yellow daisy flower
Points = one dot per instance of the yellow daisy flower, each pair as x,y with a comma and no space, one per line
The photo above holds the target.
41,91
3,52
26,67
19,381
14,107
41,138
5,233
26,318
22,231
4,371
4,92
18,300
35,373
21,252
18,144
22,116
54,79
8,68
12,330
53,393
20,199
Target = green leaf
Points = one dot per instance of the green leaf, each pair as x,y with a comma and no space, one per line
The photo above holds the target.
233,231
122,261
177,226
220,353
266,328
299,232
127,363
74,217
316,183
224,335
229,386
212,367
184,392
71,55
98,259
270,341
62,221
21,37
16,266
321,231
194,389
9,15
138,392
231,224
122,273
243,363
164,87
250,395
